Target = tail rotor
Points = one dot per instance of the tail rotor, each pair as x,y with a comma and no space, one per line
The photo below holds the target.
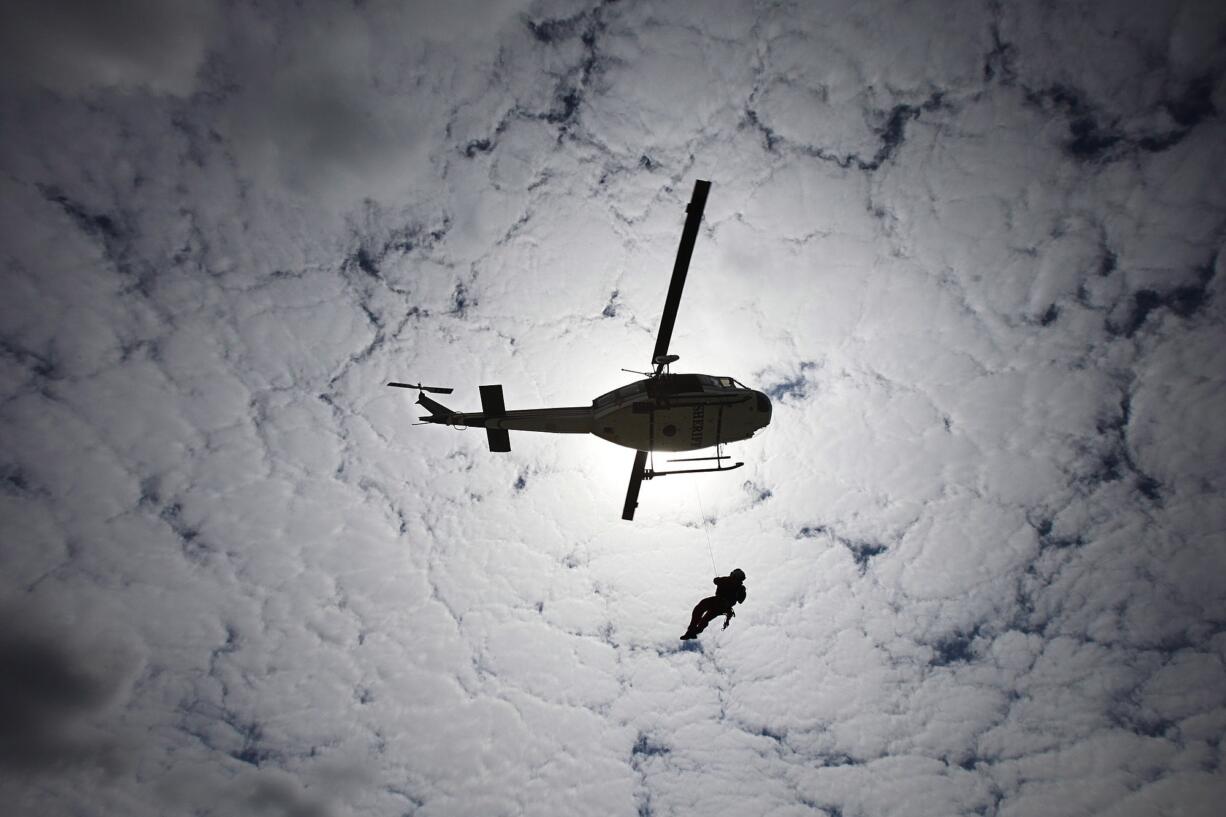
420,387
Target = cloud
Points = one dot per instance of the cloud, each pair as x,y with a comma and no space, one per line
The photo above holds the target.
73,47
59,690
977,269
344,104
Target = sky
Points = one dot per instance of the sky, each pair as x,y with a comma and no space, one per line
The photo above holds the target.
972,251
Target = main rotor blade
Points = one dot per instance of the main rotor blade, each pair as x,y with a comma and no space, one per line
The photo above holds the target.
698,201
636,480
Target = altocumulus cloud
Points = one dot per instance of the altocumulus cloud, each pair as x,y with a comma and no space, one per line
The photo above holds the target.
975,258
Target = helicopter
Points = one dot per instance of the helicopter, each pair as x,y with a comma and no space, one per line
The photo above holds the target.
662,412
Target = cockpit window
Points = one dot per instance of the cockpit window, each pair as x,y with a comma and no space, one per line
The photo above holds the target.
620,394
727,382
686,382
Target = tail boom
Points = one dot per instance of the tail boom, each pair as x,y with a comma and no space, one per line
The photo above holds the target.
568,420
497,421
438,412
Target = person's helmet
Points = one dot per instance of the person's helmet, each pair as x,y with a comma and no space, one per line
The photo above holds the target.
738,574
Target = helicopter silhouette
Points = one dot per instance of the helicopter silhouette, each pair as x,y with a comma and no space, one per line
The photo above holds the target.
662,412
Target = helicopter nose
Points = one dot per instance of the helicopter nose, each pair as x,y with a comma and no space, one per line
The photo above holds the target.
764,407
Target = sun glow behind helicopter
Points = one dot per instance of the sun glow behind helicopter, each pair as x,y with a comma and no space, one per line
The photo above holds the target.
661,412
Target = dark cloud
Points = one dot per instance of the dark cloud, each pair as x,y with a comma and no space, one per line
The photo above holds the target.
74,46
280,797
54,693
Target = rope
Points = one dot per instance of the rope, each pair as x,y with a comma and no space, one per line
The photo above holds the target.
710,550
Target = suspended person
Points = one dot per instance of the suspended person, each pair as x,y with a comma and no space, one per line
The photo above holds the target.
729,590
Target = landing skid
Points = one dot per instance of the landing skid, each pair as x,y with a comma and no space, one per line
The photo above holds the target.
651,473
640,472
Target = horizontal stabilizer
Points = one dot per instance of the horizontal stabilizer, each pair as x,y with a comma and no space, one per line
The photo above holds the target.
492,406
498,438
491,402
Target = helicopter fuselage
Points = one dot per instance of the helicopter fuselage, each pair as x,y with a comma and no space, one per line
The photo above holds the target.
679,412
671,412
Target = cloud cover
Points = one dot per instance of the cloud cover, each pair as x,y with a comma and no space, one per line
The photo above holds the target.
974,258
